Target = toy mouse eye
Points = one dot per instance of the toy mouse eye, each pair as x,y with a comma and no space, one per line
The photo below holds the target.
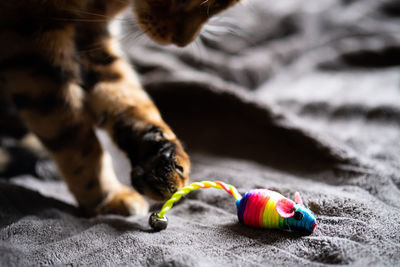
298,215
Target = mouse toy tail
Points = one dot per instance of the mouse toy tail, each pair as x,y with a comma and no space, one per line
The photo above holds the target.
158,221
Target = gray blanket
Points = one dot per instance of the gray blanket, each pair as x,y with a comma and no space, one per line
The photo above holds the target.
287,95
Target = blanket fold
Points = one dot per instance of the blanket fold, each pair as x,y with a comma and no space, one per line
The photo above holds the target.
292,96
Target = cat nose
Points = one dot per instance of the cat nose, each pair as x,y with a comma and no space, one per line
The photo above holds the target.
180,38
179,41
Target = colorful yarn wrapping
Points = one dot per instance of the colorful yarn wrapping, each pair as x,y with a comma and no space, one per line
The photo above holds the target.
259,207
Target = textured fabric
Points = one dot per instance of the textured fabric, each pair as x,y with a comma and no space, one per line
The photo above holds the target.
297,96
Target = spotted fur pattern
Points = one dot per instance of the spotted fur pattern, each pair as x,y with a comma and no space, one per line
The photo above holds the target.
64,73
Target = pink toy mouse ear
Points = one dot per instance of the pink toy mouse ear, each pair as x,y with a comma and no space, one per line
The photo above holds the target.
285,208
297,198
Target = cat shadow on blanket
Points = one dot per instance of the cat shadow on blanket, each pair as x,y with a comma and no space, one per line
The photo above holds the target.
19,202
222,123
122,224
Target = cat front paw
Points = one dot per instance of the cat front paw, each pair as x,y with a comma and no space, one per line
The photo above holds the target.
123,201
160,166
162,172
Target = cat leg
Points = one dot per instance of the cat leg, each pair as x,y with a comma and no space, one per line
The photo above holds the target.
160,166
44,89
70,140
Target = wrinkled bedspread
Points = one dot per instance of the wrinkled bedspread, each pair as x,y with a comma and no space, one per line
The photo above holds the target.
287,95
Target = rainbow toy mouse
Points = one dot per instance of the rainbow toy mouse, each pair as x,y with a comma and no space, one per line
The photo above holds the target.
259,207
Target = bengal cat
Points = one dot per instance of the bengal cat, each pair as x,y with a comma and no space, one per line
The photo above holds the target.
63,71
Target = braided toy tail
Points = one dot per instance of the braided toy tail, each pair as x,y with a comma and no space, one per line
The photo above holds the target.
158,221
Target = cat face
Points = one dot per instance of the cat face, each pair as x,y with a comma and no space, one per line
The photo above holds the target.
176,21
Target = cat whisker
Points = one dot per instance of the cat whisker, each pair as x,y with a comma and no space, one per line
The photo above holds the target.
208,36
220,26
204,2
99,45
208,9
80,20
202,50
216,29
134,37
100,17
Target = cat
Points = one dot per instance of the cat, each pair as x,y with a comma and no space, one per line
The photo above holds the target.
64,73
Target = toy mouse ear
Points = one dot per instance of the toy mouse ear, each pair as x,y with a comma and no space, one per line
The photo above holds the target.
297,198
285,208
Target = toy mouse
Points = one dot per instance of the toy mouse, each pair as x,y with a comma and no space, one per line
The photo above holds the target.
258,207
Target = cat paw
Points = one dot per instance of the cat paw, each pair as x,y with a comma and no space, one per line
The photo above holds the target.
124,202
160,166
163,171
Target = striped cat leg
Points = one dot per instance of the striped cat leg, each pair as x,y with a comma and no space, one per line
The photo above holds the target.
50,101
60,124
160,166
62,127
